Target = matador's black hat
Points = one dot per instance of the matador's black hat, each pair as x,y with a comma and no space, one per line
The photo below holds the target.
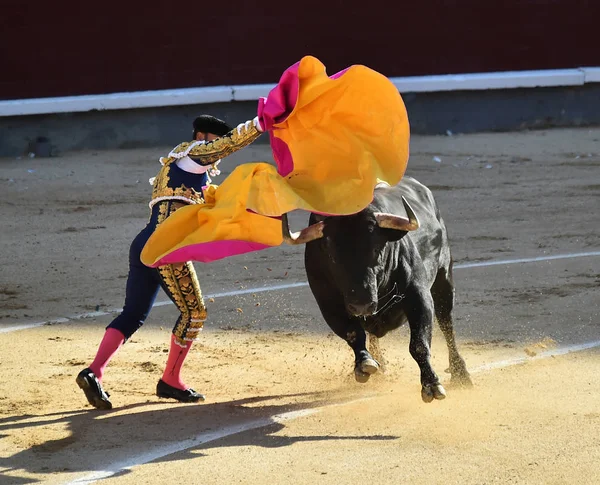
210,124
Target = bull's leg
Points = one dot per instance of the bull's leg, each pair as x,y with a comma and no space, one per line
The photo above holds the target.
364,363
355,336
420,321
442,293
352,332
334,312
376,351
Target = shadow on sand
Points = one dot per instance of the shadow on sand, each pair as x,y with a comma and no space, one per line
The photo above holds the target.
156,431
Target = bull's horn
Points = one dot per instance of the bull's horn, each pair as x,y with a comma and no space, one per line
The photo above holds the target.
306,235
400,223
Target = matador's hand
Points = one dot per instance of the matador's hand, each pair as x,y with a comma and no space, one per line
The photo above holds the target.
246,126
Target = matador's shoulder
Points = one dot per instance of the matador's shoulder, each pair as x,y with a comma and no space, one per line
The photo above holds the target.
180,151
183,148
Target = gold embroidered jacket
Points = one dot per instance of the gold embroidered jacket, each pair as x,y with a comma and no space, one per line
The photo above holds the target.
172,182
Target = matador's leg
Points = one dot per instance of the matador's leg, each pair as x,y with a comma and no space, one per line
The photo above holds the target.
180,282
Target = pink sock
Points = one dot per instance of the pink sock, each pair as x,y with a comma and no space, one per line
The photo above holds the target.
111,342
177,355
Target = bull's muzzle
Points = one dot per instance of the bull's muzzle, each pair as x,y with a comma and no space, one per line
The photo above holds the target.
362,309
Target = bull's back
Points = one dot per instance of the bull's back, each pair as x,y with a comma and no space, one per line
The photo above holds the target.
431,239
418,196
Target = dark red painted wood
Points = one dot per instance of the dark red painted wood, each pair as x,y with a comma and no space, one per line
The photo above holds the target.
66,48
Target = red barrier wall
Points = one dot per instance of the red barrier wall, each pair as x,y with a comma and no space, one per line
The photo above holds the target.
66,48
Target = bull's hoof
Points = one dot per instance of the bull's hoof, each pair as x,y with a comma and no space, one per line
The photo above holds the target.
360,376
365,369
369,366
429,392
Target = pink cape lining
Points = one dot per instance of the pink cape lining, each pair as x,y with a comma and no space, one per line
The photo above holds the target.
275,108
211,251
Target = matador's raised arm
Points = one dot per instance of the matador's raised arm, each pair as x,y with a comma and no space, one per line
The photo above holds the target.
207,153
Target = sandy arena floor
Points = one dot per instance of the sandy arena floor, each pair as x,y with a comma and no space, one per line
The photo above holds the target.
282,404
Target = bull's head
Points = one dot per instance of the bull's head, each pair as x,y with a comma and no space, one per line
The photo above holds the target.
355,249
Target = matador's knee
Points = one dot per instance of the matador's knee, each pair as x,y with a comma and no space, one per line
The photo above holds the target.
181,283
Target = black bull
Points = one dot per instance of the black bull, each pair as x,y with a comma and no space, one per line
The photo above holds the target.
375,270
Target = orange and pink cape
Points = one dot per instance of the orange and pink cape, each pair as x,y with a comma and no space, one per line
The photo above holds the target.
333,139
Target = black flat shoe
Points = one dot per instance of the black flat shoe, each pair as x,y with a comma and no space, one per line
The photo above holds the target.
169,392
92,388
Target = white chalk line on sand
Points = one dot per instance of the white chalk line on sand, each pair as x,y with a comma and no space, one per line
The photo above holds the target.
526,260
25,326
171,448
542,355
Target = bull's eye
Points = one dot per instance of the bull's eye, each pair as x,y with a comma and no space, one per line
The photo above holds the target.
377,251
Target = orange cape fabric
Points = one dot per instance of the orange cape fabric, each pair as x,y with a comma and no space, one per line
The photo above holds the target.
333,139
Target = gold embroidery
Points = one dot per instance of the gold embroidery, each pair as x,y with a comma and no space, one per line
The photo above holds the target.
189,194
160,189
162,213
162,178
183,286
208,153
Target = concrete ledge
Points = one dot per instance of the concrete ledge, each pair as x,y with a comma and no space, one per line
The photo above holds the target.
503,110
591,74
250,92
114,101
218,94
492,80
429,113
